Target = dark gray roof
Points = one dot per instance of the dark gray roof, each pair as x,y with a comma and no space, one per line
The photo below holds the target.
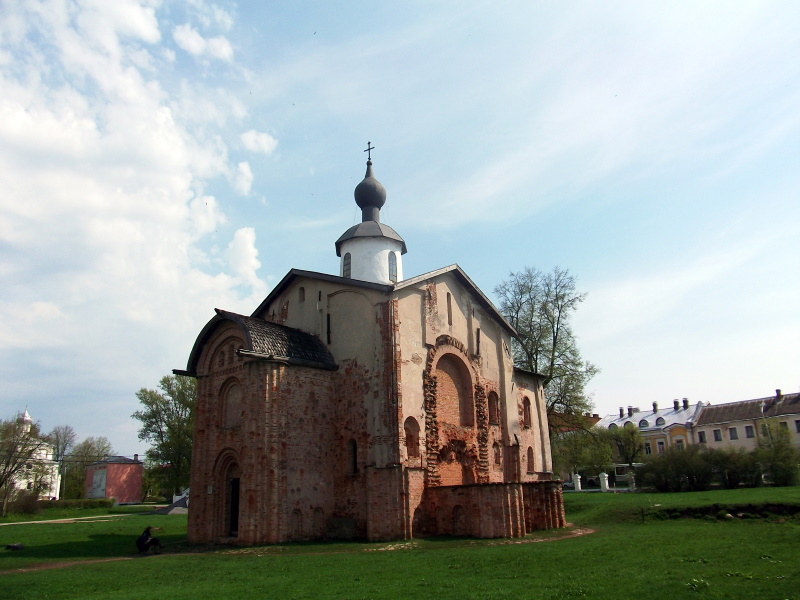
269,341
789,404
116,459
746,410
367,229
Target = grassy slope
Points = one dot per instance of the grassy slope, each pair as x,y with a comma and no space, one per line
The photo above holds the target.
626,558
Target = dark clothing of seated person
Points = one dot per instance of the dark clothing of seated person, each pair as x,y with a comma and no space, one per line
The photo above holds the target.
146,541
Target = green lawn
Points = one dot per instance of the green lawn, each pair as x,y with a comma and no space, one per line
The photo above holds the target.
628,557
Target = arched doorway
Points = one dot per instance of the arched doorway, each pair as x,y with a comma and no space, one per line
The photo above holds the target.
228,482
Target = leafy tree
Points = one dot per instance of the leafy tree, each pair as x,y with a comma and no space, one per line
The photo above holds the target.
539,306
82,455
777,455
167,423
582,450
63,438
20,443
628,442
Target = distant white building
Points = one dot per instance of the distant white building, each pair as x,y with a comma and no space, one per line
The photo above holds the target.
41,471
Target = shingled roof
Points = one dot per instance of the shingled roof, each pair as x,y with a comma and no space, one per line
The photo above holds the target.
269,341
746,410
788,404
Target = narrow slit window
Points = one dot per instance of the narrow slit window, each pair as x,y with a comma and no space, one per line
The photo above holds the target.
392,267
449,310
478,341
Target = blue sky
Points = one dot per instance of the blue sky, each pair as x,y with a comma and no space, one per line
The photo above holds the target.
160,159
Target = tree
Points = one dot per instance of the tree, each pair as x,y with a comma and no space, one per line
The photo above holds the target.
582,450
62,438
90,450
777,455
167,423
20,444
539,306
628,442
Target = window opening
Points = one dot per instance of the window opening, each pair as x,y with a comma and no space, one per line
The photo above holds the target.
449,310
352,451
701,437
749,431
392,267
302,294
732,433
478,341
328,327
717,435
526,413
346,265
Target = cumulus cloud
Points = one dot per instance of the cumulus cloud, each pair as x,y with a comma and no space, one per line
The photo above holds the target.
190,40
258,141
107,223
243,178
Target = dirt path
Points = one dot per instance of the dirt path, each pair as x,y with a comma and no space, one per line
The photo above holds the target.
70,519
405,545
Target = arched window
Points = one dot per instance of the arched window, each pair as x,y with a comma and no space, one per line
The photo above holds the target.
643,423
411,428
392,267
302,294
660,421
494,409
346,265
526,413
498,454
531,466
352,457
231,406
612,426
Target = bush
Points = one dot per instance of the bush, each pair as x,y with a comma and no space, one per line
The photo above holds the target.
678,470
80,503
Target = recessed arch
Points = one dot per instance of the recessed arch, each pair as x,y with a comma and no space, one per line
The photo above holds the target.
411,429
454,397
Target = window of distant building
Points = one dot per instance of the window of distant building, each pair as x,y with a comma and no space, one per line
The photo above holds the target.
346,265
679,444
392,267
784,425
643,423
797,426
732,433
301,294
660,421
531,468
647,448
749,431
661,447
718,435
701,437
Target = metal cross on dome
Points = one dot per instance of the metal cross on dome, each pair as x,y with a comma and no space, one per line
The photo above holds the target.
368,150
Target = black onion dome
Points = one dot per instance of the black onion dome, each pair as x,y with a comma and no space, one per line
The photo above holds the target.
370,192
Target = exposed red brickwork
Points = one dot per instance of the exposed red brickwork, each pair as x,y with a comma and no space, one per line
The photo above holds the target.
290,452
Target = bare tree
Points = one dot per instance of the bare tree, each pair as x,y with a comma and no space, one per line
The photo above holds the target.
83,454
539,306
62,438
20,445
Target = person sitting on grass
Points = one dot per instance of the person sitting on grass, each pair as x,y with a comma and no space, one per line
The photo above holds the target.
146,541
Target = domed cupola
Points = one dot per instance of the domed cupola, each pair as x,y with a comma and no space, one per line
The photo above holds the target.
371,251
370,196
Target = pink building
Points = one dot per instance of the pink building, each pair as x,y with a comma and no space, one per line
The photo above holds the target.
115,477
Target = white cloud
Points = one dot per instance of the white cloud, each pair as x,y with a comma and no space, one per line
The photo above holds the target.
243,178
190,40
258,141
242,257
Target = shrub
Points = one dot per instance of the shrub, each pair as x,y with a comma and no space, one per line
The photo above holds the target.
79,503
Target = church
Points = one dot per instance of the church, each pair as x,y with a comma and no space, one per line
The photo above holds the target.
365,405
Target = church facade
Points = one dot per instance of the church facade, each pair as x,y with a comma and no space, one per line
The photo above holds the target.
365,405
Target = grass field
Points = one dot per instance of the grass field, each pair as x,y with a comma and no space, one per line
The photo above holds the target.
630,555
